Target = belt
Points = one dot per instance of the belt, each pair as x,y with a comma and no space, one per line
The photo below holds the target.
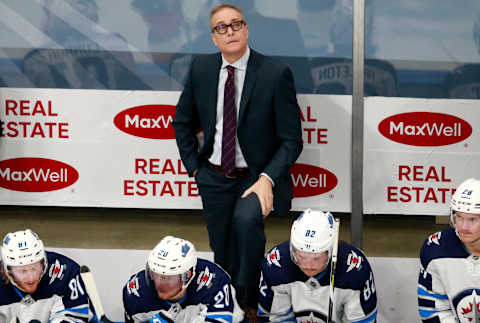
235,173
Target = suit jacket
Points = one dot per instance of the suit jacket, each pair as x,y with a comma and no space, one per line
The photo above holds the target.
268,125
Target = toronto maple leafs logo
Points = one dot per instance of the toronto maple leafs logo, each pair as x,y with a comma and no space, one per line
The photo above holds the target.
434,238
467,305
205,279
132,286
273,257
56,271
354,261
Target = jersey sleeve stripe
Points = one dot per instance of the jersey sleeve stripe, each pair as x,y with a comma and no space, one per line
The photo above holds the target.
423,292
431,320
220,317
79,310
423,302
368,319
426,313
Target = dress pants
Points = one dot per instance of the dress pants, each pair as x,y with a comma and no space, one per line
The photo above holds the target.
235,229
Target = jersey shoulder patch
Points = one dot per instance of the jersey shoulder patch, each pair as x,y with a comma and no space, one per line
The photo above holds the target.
279,267
355,261
208,275
60,268
353,268
443,244
273,257
132,286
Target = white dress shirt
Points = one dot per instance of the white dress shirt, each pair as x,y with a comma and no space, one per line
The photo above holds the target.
240,71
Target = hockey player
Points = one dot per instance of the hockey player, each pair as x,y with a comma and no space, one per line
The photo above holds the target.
296,277
37,285
449,279
176,287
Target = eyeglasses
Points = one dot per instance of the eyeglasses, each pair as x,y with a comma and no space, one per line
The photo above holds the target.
222,28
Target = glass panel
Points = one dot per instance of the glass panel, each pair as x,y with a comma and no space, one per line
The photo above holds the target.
149,44
432,46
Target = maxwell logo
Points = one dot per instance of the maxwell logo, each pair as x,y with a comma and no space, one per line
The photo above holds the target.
425,129
309,180
36,174
147,121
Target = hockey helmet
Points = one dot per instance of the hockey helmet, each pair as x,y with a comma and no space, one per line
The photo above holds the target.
312,232
466,199
173,256
22,248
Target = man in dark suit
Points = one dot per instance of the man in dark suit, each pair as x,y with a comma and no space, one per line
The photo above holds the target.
267,140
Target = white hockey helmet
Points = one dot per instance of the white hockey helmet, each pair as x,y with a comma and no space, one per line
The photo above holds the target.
466,199
173,256
312,232
22,248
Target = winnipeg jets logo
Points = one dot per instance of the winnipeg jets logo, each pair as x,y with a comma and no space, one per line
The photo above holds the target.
467,305
310,316
273,257
354,261
205,279
434,238
132,286
470,313
56,271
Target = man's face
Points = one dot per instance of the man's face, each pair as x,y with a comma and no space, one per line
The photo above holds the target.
167,286
468,227
232,44
27,277
311,264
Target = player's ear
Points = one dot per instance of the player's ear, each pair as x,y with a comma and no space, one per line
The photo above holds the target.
212,35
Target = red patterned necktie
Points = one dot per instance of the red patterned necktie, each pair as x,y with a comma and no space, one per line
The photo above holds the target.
229,123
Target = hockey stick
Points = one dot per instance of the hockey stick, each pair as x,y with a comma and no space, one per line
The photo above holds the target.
476,314
336,226
92,292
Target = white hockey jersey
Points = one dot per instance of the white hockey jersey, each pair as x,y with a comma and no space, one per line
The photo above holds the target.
60,296
449,280
210,295
288,295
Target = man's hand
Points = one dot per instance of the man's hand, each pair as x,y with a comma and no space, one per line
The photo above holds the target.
263,188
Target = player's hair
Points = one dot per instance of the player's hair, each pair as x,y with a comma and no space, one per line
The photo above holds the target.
223,6
3,274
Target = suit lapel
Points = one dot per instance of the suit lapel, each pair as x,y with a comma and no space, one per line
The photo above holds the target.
248,84
212,78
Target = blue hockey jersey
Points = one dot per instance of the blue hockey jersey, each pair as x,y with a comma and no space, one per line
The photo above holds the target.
60,296
449,280
288,295
210,292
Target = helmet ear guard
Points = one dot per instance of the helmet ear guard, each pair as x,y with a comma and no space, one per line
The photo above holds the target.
22,248
312,232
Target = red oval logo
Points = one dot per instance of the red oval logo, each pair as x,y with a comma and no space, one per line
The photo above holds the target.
147,121
36,174
425,129
309,180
